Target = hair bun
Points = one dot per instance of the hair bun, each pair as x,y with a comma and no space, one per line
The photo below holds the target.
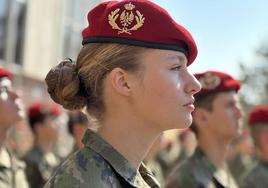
64,86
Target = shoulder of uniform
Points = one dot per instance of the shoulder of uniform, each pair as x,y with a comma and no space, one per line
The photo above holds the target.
255,175
85,167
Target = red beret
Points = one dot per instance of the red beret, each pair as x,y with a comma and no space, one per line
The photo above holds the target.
215,81
5,73
41,109
139,23
259,114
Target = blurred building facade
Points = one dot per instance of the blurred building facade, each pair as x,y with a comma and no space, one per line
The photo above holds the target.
35,35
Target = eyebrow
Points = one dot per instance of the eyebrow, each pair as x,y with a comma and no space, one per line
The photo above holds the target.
181,58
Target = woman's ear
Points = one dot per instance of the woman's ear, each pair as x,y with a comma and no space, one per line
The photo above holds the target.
119,80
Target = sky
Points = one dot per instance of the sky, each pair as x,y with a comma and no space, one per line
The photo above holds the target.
227,32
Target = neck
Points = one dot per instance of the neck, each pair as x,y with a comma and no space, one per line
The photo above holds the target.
214,148
78,143
129,137
43,144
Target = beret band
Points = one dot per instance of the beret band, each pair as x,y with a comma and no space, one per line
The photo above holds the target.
182,48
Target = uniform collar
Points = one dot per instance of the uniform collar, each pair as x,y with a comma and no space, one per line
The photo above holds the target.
204,160
120,164
221,175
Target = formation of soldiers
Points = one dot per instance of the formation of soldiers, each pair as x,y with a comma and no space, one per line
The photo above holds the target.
213,149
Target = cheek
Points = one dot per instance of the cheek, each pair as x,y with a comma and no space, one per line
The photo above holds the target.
8,107
231,114
164,85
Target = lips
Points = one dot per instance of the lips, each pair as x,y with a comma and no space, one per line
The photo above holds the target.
190,103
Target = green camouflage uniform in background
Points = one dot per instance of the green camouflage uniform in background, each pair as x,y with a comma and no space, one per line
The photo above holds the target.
238,165
99,165
39,167
257,177
12,173
198,172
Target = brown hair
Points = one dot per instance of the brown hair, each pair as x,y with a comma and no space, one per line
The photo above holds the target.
78,85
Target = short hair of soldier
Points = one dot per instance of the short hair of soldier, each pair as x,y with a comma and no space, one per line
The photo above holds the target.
205,102
76,118
256,130
78,85
39,118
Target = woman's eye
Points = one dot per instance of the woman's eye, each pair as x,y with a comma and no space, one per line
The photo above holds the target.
176,68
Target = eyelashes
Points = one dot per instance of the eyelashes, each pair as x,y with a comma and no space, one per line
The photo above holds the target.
177,68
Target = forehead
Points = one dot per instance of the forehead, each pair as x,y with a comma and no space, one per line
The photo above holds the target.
159,54
5,82
227,96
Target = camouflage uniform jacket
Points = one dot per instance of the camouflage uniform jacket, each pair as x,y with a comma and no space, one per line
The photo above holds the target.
11,171
40,167
99,165
240,164
257,177
199,172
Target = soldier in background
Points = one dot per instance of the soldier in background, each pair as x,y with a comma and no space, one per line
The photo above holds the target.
175,151
216,124
187,141
77,125
41,161
241,156
152,161
257,177
11,169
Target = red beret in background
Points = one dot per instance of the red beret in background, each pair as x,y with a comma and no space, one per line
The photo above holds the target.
138,23
216,81
5,73
259,114
42,109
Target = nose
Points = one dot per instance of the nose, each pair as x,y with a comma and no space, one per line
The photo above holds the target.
193,86
13,95
238,112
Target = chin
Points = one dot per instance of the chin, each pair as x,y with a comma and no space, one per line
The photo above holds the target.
182,123
185,124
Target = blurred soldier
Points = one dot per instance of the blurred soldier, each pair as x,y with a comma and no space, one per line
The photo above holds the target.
241,156
257,177
11,169
152,161
41,162
187,142
175,152
77,125
216,124
168,154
